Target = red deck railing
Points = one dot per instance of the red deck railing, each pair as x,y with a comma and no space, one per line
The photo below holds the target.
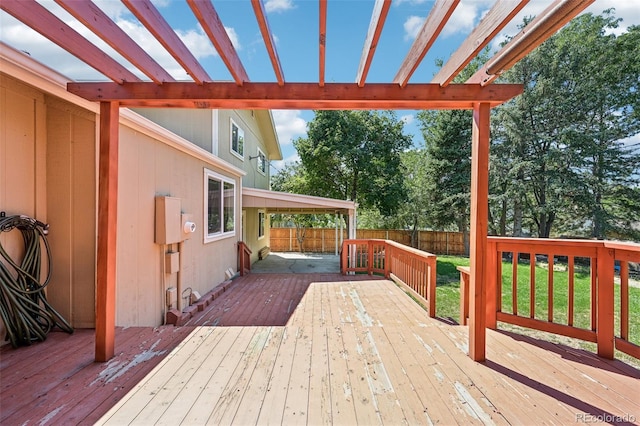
414,268
564,257
244,258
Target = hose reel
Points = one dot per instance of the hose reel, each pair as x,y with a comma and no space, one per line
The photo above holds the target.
24,309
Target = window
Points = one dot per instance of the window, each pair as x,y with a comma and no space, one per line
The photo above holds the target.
220,201
237,140
262,162
261,217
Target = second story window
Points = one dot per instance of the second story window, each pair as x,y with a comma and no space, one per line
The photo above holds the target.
237,140
262,162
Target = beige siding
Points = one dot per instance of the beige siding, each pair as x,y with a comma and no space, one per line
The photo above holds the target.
148,169
253,140
22,158
47,163
195,125
71,195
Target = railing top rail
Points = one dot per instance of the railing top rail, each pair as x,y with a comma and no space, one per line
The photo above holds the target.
408,249
562,242
547,241
621,245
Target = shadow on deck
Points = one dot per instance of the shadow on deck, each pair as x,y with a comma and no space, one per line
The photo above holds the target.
312,348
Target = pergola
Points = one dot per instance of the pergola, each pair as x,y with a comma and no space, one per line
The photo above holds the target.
478,93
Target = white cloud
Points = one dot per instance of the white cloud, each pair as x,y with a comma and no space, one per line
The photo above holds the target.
463,18
412,27
289,125
408,119
278,5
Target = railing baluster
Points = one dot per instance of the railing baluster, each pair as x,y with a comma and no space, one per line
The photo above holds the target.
550,289
570,277
498,283
514,283
594,299
532,285
624,300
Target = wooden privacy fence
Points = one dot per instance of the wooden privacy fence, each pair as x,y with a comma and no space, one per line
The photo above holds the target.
413,268
323,240
526,307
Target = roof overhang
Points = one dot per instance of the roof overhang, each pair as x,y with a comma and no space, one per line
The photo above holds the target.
286,203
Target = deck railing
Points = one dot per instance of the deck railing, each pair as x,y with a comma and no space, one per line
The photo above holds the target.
244,258
564,259
413,268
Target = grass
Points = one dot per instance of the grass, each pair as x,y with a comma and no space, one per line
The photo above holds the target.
448,296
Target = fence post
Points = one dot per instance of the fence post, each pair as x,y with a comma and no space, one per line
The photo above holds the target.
605,311
370,257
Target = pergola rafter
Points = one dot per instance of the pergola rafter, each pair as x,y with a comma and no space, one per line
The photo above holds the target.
99,23
126,89
49,25
433,25
379,15
495,20
149,16
210,21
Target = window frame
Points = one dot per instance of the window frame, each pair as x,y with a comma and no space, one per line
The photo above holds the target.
221,233
262,215
262,161
240,142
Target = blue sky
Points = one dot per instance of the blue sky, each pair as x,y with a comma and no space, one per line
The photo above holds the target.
294,24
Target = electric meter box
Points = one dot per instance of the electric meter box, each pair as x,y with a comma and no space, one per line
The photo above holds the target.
168,220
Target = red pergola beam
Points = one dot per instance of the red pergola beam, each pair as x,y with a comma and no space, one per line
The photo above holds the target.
322,40
433,25
210,21
534,34
296,95
495,20
379,15
261,16
97,21
149,16
46,23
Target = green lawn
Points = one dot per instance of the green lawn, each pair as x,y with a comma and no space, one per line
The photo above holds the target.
448,294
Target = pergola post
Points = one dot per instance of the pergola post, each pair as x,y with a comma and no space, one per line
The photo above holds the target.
478,240
107,231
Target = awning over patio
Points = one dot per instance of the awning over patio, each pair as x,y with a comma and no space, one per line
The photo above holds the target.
283,202
286,203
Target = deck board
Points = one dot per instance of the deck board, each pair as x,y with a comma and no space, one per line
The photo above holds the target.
312,349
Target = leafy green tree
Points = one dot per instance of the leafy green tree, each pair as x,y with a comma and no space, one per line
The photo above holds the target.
447,136
355,155
559,143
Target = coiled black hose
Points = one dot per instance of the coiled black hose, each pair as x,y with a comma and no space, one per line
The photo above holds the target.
24,309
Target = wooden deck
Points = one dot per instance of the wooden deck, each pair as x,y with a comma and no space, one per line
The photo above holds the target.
313,349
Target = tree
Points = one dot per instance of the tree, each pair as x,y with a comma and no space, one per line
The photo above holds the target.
447,136
559,142
355,155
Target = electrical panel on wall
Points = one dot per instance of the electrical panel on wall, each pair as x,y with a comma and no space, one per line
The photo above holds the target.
168,220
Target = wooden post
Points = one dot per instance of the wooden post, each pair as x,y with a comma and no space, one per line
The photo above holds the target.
478,240
432,288
605,323
107,231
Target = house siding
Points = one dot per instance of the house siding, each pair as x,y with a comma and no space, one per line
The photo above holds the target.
48,170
